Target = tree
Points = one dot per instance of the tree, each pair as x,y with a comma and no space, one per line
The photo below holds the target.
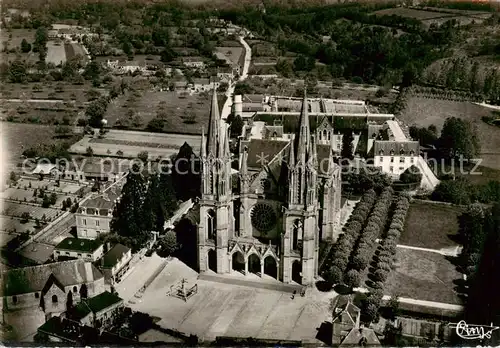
69,300
156,125
17,71
186,174
53,198
347,146
83,291
25,46
95,111
352,278
89,152
46,201
169,243
128,218
63,131
236,126
143,156
459,138
411,175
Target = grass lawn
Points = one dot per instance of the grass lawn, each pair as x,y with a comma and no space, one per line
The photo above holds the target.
430,226
423,275
425,111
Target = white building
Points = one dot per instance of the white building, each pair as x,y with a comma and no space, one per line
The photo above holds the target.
115,263
85,249
395,153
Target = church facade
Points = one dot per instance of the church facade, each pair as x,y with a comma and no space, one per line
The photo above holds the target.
269,217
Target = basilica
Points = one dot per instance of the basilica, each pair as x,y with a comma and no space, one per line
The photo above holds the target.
268,216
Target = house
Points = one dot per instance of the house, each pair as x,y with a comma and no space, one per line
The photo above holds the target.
60,329
46,169
98,311
85,249
226,73
204,84
115,263
91,169
347,330
193,62
394,153
94,215
47,287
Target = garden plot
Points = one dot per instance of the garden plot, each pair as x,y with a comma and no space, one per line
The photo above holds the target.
18,194
11,224
56,53
36,212
6,238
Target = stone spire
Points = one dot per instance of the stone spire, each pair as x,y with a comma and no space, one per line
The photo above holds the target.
202,147
304,131
213,126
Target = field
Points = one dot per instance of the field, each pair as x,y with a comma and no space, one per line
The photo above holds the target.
233,54
423,275
425,111
156,144
177,107
431,226
36,212
57,51
438,16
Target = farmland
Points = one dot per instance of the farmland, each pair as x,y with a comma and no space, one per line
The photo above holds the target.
426,111
130,143
143,106
430,16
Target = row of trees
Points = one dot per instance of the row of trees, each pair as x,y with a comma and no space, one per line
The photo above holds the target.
461,191
366,243
336,264
462,73
363,179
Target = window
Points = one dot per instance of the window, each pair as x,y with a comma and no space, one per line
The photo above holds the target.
54,298
97,223
79,254
67,252
37,295
89,255
391,168
84,221
58,252
401,160
75,288
401,168
392,159
412,160
14,299
381,159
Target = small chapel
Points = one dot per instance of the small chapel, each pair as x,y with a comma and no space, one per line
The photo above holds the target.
268,216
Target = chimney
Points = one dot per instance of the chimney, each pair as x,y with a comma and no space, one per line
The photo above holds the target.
88,271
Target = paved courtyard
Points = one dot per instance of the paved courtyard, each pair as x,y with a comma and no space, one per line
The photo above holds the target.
230,310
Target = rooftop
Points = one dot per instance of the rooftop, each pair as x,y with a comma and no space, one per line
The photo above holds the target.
33,279
94,305
111,258
396,130
83,245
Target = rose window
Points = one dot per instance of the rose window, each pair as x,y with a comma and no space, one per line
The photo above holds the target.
263,217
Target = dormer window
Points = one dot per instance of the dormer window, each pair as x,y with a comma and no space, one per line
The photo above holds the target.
381,152
412,153
392,152
402,152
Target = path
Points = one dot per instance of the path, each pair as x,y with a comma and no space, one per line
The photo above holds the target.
226,109
452,251
258,283
489,106
440,305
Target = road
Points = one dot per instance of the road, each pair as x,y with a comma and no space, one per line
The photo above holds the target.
226,109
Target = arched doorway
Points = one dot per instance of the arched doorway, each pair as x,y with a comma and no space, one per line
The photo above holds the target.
238,262
212,260
296,272
254,264
270,267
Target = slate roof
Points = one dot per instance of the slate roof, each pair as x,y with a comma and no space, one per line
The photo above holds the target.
33,279
94,305
291,123
361,337
105,200
75,244
397,146
112,257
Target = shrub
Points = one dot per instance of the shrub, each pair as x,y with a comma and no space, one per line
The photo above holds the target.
380,275
393,233
384,265
333,275
360,261
352,278
397,225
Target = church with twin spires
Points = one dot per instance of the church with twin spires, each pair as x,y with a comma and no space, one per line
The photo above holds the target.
269,216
